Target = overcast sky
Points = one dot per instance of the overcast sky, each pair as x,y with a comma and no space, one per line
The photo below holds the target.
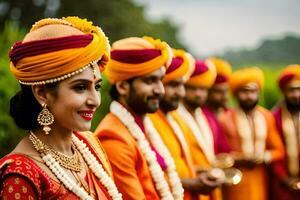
210,26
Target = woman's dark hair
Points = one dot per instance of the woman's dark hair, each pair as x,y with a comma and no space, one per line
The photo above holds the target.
24,108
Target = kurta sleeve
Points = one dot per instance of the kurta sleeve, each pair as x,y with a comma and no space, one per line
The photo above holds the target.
122,157
275,148
17,187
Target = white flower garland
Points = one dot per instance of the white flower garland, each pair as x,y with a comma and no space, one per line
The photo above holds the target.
252,147
157,174
205,128
175,182
94,165
290,135
97,169
184,113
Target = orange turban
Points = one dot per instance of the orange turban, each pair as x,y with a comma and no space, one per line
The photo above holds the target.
56,49
204,74
180,66
288,74
223,69
245,76
134,56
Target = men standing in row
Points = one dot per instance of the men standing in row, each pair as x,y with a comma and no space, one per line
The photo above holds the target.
136,70
251,132
196,127
286,179
172,134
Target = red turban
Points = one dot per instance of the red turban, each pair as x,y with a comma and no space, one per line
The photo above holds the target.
288,74
132,57
223,69
204,74
180,66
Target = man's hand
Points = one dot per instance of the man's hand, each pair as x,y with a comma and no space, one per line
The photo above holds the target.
292,183
203,184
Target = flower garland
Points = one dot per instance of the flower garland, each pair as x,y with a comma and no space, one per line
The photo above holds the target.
184,113
289,131
97,169
253,146
93,164
205,128
156,141
157,174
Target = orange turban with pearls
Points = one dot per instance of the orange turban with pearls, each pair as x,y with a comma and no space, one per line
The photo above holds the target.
180,66
204,74
223,69
56,49
134,56
245,76
288,74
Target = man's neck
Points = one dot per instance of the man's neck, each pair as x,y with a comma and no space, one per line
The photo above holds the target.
292,109
249,112
133,112
213,108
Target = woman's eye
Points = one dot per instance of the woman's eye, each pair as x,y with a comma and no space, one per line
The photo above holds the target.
80,87
98,87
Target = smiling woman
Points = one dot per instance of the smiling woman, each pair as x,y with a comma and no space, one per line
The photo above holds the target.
58,65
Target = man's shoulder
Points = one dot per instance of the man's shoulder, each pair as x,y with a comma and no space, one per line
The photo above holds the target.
112,129
267,113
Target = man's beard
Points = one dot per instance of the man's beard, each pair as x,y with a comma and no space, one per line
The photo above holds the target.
292,106
195,103
248,105
169,105
141,106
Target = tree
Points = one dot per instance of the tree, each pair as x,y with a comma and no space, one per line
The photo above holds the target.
118,18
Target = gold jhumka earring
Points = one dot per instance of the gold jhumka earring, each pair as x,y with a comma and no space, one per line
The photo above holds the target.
45,118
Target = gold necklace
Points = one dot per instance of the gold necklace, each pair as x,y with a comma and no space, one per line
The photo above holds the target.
72,163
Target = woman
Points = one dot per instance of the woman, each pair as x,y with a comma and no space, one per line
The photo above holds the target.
58,65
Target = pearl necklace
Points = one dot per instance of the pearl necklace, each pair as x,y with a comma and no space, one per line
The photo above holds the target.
156,141
156,172
64,178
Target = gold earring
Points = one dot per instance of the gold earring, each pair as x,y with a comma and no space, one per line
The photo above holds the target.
45,118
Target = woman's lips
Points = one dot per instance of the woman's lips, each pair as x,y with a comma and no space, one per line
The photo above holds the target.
87,115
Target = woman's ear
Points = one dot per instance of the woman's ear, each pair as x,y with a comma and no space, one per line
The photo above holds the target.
39,92
123,87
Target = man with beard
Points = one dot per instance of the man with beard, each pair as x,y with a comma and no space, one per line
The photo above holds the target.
196,88
135,72
218,92
164,131
201,139
286,178
251,132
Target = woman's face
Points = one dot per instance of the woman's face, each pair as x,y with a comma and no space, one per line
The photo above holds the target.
75,101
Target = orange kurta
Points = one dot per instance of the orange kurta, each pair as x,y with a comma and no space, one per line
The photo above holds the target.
254,184
130,169
183,161
199,159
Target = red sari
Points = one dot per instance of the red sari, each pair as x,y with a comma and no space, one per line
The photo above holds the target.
22,178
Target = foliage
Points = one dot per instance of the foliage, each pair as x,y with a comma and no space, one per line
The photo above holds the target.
280,51
118,18
9,133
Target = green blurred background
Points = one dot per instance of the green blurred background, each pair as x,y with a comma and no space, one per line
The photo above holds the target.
119,19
